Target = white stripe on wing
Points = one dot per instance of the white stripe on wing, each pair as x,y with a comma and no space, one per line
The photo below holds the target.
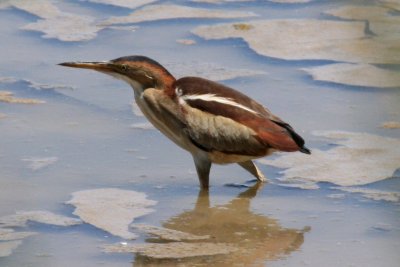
215,98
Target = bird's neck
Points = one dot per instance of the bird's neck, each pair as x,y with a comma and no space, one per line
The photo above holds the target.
165,82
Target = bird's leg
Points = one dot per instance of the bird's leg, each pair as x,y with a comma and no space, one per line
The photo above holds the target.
203,166
252,168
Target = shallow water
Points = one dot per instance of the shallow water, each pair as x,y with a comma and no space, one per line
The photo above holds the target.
88,135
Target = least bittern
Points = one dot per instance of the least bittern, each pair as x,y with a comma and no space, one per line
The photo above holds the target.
215,123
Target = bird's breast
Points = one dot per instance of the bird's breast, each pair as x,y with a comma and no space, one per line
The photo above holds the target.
163,113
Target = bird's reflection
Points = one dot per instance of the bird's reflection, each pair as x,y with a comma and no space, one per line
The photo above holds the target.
258,238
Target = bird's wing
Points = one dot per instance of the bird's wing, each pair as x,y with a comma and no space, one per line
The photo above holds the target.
219,118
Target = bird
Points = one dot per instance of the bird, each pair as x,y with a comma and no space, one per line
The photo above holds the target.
216,124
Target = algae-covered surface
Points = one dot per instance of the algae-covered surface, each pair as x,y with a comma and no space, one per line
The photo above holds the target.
85,180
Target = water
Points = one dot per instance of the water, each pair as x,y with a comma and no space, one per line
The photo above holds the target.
88,129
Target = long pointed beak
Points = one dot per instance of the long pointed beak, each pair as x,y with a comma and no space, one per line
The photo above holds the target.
99,66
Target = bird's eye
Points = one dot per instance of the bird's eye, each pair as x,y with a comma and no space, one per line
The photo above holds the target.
124,67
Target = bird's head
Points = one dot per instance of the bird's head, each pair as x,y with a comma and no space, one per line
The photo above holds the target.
139,71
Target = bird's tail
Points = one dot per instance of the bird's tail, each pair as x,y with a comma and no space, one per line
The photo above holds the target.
305,150
296,137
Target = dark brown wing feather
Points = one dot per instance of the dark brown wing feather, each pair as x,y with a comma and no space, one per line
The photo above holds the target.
270,131
196,85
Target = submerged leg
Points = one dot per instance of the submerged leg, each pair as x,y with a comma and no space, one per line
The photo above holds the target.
203,167
252,168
